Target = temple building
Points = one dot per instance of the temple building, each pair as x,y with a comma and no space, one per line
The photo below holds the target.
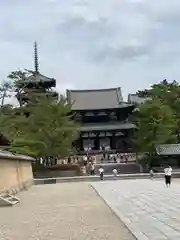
103,119
36,85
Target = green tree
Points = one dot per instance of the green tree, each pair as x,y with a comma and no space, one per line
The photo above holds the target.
5,91
18,82
18,78
168,93
156,125
48,131
6,109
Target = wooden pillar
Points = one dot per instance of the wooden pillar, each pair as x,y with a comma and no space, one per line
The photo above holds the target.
111,142
81,143
98,142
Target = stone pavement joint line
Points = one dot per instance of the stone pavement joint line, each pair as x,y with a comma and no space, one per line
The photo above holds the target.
149,209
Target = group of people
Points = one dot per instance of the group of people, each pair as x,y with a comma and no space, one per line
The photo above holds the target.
118,157
167,175
106,157
101,172
89,162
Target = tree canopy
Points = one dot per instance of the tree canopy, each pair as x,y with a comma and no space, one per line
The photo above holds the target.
47,131
159,116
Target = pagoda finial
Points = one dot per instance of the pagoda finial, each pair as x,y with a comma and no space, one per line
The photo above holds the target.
36,63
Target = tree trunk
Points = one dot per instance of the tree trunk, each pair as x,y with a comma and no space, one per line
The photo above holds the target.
3,98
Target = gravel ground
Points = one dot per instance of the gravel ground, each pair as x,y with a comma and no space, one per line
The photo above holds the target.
71,211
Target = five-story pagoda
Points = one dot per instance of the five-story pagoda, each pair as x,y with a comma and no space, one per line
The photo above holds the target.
36,85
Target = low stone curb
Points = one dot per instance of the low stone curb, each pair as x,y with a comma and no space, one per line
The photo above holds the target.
96,178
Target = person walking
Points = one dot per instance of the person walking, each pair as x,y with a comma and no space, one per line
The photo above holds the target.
85,160
94,159
115,158
115,173
151,172
101,173
92,171
168,173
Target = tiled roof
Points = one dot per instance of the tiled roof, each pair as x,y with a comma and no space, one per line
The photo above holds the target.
168,149
39,78
95,99
105,126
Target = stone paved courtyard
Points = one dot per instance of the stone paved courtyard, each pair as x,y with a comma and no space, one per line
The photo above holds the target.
151,210
66,211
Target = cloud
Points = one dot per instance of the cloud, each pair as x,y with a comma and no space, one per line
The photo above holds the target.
90,43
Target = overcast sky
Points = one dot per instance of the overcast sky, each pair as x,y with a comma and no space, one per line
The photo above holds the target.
93,43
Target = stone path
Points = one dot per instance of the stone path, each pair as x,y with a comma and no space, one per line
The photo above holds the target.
66,211
148,208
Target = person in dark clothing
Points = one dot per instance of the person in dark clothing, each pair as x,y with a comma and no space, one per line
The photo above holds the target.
168,173
114,158
69,160
92,169
101,173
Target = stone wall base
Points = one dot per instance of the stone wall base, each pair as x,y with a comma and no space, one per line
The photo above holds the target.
18,188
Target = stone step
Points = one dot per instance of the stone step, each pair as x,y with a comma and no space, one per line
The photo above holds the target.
8,200
96,178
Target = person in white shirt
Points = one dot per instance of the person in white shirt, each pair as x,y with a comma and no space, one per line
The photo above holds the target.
85,159
151,172
168,173
101,173
115,172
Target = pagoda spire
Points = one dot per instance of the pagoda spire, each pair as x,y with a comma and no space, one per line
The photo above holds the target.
36,63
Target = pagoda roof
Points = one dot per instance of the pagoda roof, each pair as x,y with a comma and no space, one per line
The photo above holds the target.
95,99
37,77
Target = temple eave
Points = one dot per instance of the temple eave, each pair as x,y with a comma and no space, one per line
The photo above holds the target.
122,106
106,127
